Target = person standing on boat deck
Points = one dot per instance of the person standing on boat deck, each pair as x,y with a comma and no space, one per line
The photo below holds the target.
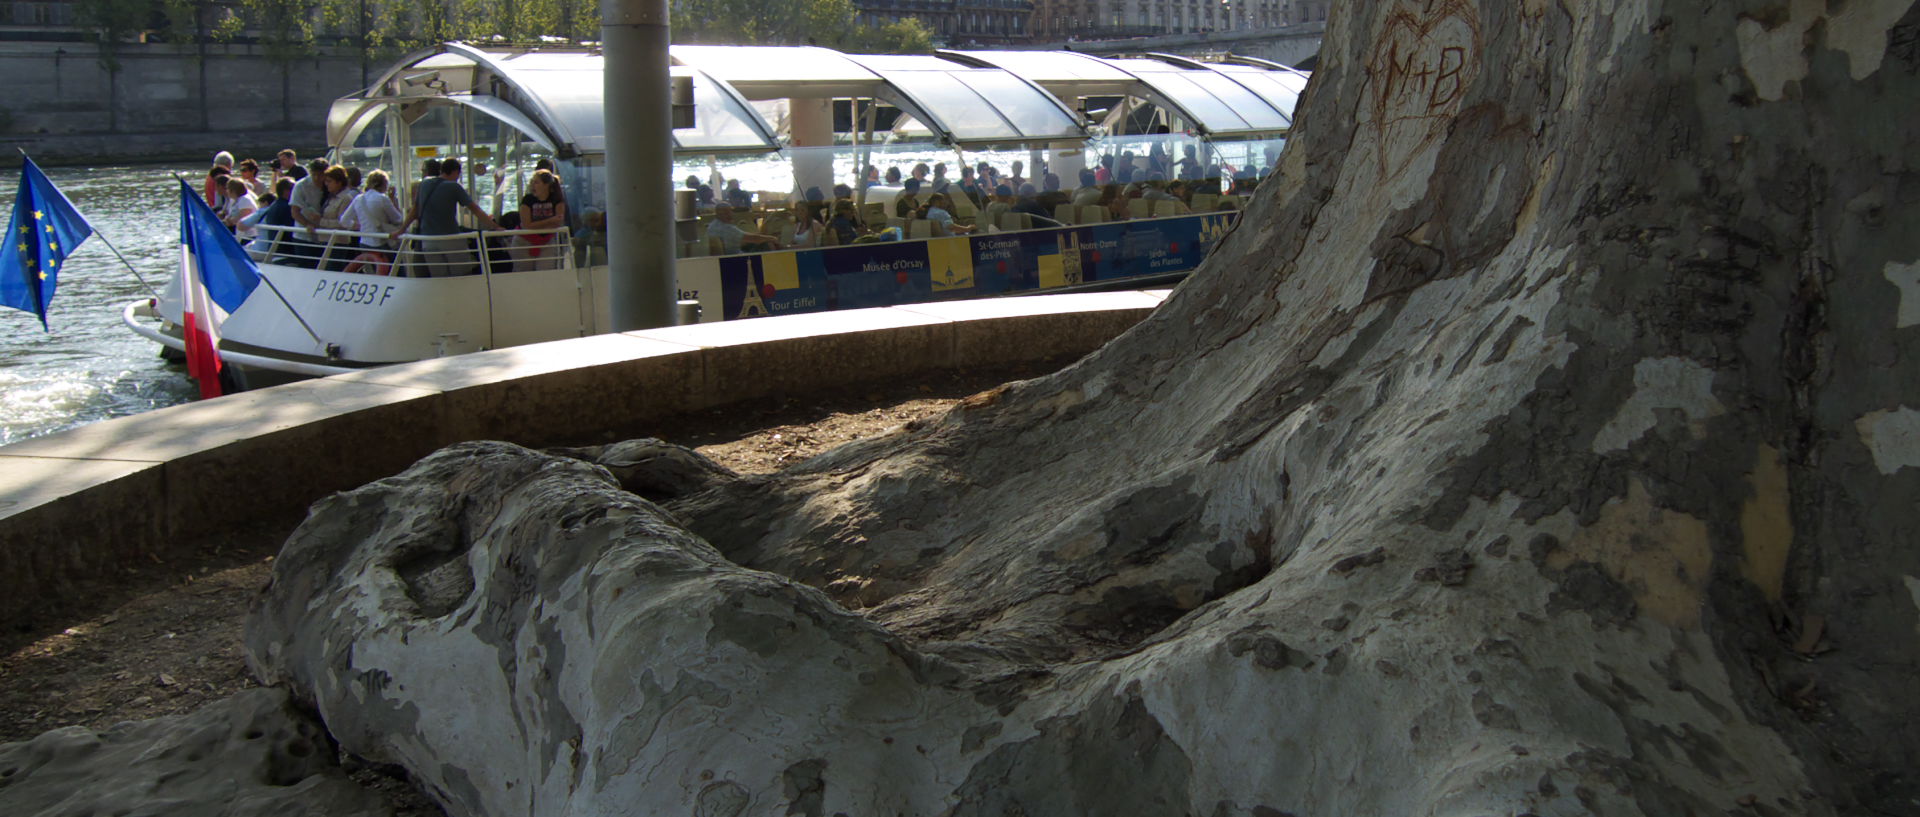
283,165
279,213
243,204
543,208
216,187
250,173
374,211
338,184
438,210
309,195
726,238
213,192
429,169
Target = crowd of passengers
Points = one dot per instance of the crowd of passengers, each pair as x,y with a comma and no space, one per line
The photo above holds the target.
926,193
302,200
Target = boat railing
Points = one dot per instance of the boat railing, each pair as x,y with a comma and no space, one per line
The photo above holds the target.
414,255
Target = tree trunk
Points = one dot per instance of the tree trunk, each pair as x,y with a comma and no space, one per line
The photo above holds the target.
1540,442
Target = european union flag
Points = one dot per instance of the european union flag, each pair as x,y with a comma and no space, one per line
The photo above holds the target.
45,229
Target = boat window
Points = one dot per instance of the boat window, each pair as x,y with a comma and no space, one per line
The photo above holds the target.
722,122
370,144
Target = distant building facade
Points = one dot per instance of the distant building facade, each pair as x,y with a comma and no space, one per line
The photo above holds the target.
957,22
1057,20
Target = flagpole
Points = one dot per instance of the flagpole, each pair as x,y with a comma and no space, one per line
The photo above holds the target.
123,262
116,250
325,347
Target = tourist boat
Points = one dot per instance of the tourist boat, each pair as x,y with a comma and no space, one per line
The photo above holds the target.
779,120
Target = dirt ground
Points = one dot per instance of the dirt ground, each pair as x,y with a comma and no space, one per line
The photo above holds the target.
164,639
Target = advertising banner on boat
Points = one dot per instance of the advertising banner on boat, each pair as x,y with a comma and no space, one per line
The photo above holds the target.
971,266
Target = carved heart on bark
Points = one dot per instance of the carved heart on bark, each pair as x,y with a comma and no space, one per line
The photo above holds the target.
1427,53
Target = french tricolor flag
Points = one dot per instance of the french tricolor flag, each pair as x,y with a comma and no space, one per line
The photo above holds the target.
216,276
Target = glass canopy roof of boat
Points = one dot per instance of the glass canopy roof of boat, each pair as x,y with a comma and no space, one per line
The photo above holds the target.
963,97
1215,102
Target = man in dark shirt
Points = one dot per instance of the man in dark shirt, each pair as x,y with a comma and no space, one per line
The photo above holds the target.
437,207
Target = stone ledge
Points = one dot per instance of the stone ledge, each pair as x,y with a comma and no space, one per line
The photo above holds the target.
76,502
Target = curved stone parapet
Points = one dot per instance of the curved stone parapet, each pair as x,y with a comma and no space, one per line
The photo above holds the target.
153,485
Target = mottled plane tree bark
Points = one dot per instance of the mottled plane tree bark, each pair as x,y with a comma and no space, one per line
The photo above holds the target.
1543,441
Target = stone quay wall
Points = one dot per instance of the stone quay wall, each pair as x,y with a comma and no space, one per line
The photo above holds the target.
158,486
64,106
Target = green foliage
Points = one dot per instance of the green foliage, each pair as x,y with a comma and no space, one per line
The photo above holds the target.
377,30
287,28
906,36
829,23
113,22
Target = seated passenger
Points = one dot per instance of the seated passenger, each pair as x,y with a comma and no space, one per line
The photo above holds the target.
725,238
1155,188
1029,203
590,241
907,204
807,227
1115,202
969,186
937,205
846,224
740,199
1088,194
1001,205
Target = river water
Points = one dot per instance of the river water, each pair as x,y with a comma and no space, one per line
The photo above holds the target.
89,367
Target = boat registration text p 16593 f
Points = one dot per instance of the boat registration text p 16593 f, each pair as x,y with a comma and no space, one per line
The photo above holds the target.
352,292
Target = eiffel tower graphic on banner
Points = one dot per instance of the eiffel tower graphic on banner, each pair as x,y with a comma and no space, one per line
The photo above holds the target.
751,306
1070,257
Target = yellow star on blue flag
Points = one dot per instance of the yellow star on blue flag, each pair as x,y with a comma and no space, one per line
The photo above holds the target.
27,274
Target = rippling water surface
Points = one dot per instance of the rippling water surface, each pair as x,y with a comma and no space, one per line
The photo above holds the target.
90,367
